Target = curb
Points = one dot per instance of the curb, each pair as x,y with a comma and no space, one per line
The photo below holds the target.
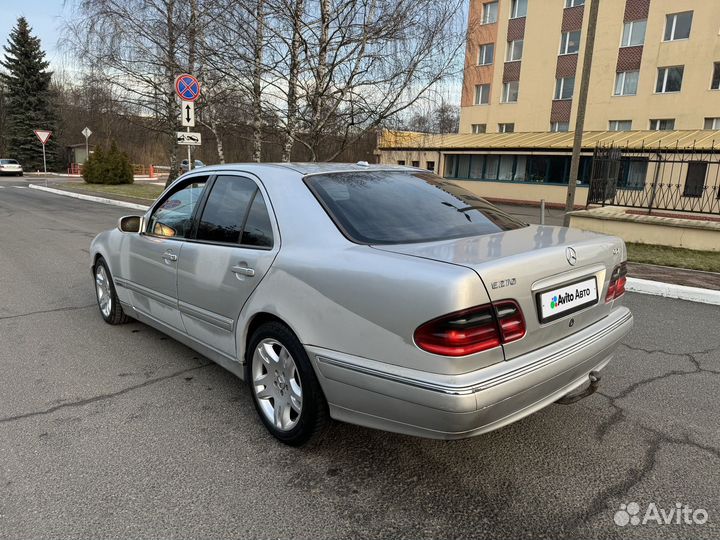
670,290
82,196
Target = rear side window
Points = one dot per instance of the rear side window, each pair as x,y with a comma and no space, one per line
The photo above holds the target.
257,230
236,213
395,207
224,214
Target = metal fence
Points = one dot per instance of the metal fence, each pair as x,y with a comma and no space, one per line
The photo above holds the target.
671,179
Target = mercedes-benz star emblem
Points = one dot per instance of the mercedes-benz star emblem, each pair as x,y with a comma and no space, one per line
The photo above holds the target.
571,256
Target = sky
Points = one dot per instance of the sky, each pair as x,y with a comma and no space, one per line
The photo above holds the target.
45,18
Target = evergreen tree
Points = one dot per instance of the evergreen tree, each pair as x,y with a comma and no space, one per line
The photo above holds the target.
28,99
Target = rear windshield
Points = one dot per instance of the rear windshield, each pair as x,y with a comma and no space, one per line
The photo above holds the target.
397,207
8,162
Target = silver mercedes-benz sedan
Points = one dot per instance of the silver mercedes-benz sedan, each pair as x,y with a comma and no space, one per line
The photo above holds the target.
378,295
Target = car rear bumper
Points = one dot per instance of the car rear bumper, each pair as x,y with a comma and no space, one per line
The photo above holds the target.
383,396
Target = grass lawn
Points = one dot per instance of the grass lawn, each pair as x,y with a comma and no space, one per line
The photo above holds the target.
146,192
708,261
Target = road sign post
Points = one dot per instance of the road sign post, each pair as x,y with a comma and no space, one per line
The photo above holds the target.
187,88
44,136
86,132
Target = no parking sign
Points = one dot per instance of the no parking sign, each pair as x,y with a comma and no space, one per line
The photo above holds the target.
187,87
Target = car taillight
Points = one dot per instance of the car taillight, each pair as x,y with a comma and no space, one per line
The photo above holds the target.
472,330
618,279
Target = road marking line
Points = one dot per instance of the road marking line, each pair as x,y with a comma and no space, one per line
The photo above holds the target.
670,290
91,198
20,187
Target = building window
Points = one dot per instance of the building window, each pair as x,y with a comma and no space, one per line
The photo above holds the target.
570,42
510,92
677,25
715,84
626,83
632,173
430,165
564,88
479,128
573,3
486,54
712,123
482,94
401,162
514,50
695,179
490,13
662,124
633,33
669,79
506,128
559,126
415,164
518,8
620,125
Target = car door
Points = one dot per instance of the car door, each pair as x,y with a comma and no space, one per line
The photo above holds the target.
152,255
235,243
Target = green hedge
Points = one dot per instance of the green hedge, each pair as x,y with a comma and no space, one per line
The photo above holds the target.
109,166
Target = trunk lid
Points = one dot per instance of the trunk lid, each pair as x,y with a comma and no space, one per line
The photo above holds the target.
528,263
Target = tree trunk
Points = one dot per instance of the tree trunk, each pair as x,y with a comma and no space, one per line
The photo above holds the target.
257,81
292,97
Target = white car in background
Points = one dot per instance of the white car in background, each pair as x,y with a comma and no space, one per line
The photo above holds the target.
10,167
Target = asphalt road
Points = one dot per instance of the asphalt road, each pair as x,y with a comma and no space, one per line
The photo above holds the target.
112,432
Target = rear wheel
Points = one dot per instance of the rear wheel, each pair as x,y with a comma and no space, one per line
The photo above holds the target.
107,299
285,390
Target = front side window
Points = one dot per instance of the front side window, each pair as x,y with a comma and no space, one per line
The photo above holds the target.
570,42
479,128
559,126
174,217
626,83
712,123
662,124
514,50
490,13
510,91
620,125
486,54
715,84
235,212
677,25
506,128
564,88
397,207
518,8
669,79
482,94
633,33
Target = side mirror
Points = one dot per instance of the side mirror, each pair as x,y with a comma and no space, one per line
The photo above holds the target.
130,224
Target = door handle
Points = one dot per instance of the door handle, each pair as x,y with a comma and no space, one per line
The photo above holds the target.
169,256
243,271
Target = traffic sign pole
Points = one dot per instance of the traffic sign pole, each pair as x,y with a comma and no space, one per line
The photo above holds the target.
189,161
44,162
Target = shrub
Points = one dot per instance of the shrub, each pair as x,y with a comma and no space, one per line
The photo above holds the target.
108,167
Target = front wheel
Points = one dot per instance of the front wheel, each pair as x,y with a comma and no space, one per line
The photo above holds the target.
285,390
107,299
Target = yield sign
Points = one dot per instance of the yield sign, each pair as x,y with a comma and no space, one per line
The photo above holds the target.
187,87
43,135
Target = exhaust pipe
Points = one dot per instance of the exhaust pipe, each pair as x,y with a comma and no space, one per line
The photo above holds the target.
571,398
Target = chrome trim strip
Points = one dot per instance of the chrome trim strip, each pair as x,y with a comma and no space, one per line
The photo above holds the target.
478,387
205,316
171,302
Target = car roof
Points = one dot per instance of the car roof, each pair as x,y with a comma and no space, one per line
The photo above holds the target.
306,168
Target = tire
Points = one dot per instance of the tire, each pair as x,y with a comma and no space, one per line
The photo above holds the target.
267,363
112,313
